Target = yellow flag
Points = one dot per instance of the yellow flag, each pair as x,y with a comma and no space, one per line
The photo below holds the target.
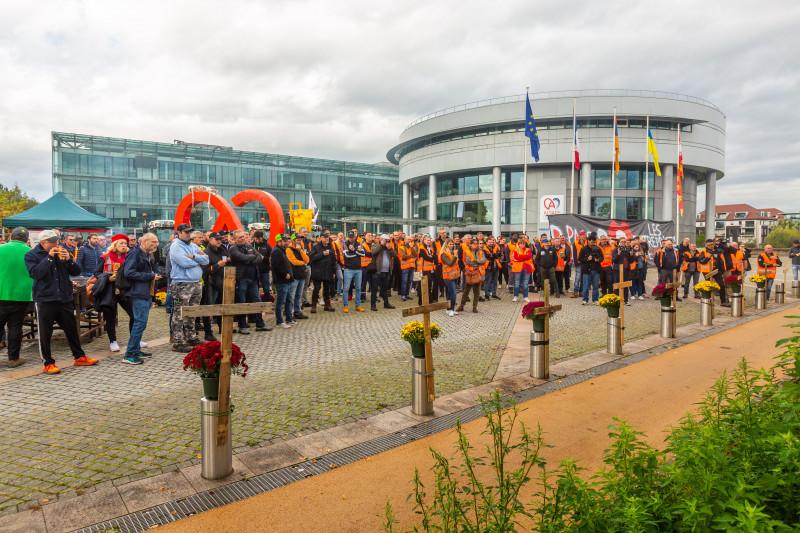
651,148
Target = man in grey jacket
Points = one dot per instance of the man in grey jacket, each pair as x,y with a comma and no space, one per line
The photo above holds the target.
382,261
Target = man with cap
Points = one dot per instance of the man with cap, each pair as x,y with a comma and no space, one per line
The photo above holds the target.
283,280
353,254
381,267
187,261
590,259
15,291
51,266
546,261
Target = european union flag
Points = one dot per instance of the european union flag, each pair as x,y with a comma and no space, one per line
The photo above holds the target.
530,129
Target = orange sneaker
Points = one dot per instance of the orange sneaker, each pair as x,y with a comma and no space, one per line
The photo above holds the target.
85,361
345,309
359,309
51,369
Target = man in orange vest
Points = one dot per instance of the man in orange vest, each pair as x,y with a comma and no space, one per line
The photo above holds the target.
407,254
606,265
577,246
563,265
768,263
475,265
366,271
493,255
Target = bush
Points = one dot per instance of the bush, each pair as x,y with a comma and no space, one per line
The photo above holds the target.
735,466
782,237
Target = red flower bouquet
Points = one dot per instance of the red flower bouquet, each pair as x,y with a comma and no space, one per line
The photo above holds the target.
733,279
660,291
527,309
205,360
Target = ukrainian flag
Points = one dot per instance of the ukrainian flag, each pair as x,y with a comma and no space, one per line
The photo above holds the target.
651,149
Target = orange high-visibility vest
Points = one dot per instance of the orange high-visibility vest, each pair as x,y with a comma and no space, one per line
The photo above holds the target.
469,255
367,259
770,268
423,265
608,260
685,264
561,264
493,250
337,253
451,271
407,257
578,248
707,267
738,261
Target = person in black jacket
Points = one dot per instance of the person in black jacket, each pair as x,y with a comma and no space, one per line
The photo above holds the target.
381,267
546,260
139,272
50,266
262,247
623,256
284,281
246,261
591,258
323,271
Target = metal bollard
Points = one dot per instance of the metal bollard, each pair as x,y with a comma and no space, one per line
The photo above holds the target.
761,298
217,462
780,293
795,289
668,330
706,312
540,355
614,337
737,304
421,403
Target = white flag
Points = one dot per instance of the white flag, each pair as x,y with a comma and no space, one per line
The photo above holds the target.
313,206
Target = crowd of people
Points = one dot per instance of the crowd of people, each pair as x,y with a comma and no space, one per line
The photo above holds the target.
303,274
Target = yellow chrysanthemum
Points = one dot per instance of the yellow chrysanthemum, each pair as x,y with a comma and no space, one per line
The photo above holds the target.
609,300
414,332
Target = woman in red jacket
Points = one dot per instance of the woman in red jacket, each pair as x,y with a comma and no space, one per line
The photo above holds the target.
111,262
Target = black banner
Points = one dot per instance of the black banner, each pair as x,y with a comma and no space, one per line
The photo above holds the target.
653,231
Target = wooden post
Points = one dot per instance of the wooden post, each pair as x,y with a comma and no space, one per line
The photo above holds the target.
621,286
425,310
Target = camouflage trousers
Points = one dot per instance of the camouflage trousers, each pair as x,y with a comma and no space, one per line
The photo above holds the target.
183,293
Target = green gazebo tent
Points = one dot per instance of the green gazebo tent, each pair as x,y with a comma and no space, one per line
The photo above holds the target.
58,211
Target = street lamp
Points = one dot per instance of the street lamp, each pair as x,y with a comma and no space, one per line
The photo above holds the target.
144,217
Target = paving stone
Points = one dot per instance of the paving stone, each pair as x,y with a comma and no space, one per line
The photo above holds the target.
30,521
391,421
199,483
317,444
270,458
68,515
144,493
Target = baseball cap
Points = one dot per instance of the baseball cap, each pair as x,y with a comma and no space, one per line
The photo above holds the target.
281,237
216,235
48,235
185,227
19,234
293,236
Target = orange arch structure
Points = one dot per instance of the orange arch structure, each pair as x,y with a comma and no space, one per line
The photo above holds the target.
277,223
227,219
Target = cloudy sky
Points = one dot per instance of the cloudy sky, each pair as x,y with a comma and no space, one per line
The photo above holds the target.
342,79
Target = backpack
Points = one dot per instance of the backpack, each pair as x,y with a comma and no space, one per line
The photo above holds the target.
123,283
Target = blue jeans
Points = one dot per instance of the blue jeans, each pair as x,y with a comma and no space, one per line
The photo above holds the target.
339,278
354,277
284,292
300,285
490,283
769,286
406,279
795,271
247,292
591,277
452,291
520,280
141,311
263,279
576,288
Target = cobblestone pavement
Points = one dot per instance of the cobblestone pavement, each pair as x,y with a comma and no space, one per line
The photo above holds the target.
89,426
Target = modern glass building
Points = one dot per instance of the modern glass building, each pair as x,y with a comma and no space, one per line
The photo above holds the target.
465,163
127,180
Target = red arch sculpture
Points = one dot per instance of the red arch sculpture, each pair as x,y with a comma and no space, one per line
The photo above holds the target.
277,223
227,219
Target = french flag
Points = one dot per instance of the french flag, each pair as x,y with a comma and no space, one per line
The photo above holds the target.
575,148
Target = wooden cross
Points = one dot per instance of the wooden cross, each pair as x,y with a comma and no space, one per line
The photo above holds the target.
621,286
425,310
227,310
547,309
674,288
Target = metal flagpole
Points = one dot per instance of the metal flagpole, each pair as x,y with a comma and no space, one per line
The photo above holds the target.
677,180
647,168
613,159
525,172
572,166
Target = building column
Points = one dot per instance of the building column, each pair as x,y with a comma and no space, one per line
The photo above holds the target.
711,203
406,206
496,201
432,204
668,193
586,188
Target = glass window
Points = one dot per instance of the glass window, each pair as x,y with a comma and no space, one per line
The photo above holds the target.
485,183
601,178
738,215
471,185
512,181
511,211
69,163
98,165
601,206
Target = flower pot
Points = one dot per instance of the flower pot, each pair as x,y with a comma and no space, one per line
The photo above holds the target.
211,388
666,301
762,285
417,349
538,324
613,312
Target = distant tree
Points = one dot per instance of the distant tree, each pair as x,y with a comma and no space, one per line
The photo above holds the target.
783,235
13,201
